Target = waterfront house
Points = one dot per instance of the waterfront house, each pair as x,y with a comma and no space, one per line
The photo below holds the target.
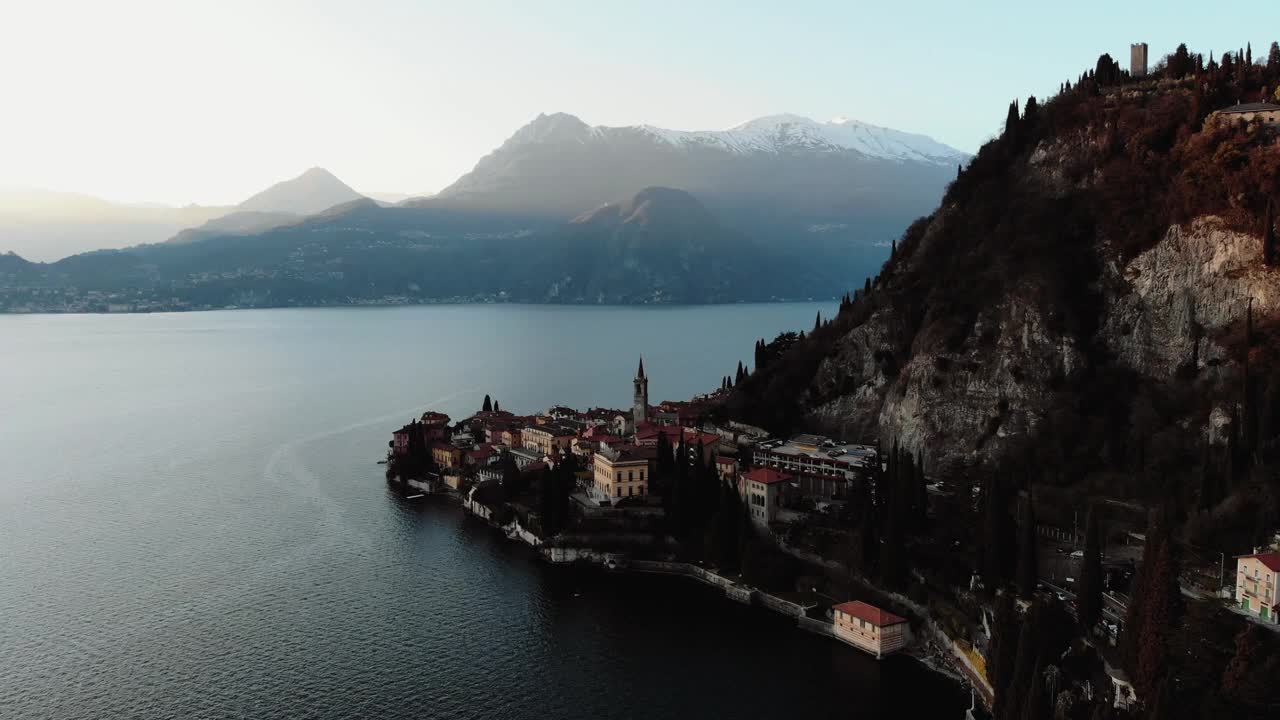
400,440
620,472
763,490
1256,579
446,455
870,628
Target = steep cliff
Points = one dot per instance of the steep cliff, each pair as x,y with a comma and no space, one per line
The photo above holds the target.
1080,295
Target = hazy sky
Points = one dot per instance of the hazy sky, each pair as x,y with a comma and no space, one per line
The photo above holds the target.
180,101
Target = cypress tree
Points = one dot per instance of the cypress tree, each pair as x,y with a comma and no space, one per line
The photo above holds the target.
817,322
921,488
1036,706
1003,650
991,565
1090,595
724,541
1162,612
1135,613
1027,560
1208,487
1011,121
1023,667
1269,234
488,405
495,406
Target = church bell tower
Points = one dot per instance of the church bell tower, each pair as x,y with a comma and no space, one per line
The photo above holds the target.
640,399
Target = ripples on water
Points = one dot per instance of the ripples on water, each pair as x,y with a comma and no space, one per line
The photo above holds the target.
192,525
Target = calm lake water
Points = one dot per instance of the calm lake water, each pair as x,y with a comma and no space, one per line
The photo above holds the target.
192,524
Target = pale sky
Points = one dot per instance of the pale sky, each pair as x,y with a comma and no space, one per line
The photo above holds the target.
181,101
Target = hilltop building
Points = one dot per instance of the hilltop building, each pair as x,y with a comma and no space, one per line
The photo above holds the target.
1138,60
1265,113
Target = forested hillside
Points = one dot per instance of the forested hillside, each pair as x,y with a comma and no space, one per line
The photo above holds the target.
1090,316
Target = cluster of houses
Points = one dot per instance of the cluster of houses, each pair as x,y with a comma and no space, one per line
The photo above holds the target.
619,449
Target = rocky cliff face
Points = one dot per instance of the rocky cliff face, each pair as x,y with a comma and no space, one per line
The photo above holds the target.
1164,313
1084,278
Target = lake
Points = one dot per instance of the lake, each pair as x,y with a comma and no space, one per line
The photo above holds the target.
193,524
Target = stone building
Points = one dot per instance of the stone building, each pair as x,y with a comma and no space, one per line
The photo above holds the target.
1266,113
1138,60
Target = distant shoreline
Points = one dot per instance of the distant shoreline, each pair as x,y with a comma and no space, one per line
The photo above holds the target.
441,303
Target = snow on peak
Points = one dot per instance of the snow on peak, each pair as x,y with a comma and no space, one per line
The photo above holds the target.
789,133
782,133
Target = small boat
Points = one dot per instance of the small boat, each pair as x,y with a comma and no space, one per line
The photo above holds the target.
382,462
414,497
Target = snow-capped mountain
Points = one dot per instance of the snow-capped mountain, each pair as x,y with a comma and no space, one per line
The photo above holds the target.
793,133
776,177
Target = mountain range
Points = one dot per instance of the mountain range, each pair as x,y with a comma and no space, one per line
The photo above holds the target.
47,225
596,214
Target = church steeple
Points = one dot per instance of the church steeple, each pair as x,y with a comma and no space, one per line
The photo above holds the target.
640,398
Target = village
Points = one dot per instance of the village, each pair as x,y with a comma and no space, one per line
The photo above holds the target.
589,486
671,488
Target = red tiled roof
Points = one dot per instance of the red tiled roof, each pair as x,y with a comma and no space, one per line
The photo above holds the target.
724,460
870,613
767,476
1271,560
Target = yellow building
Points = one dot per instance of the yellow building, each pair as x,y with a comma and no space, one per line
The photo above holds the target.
620,473
870,628
446,455
547,438
1256,579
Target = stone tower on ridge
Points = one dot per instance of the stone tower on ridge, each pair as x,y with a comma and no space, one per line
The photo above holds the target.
1138,60
640,399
